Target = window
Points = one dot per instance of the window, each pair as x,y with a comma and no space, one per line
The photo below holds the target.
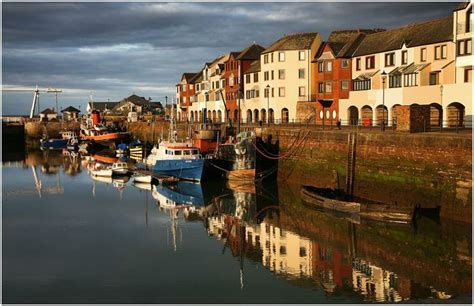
345,63
358,85
321,87
344,85
328,66
358,64
271,57
301,91
265,76
370,62
273,75
255,77
437,52
301,73
464,47
265,93
273,92
434,78
410,79
247,78
404,57
281,56
468,75
395,80
282,250
301,55
281,74
184,88
423,55
389,59
328,87
191,86
444,51
177,152
281,91
302,252
265,59
320,66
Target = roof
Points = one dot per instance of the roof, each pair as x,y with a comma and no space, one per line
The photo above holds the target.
48,111
295,41
461,6
196,78
254,67
187,76
71,109
366,75
252,52
137,100
412,35
101,106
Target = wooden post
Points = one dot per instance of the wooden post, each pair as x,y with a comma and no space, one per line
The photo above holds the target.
351,159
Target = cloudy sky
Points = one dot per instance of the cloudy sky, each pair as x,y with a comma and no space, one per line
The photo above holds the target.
112,50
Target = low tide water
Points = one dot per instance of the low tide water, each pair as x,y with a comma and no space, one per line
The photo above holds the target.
68,238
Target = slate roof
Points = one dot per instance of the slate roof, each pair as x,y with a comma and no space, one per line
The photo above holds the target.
48,111
197,78
71,109
431,32
101,106
137,100
252,52
295,41
188,76
254,67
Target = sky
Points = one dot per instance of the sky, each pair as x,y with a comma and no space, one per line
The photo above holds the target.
112,50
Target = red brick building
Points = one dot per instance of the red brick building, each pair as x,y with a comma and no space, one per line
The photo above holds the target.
333,73
234,68
185,91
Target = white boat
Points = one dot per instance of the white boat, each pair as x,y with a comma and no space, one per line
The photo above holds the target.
99,170
120,168
142,178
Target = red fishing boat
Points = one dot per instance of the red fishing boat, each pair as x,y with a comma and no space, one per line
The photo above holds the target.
94,130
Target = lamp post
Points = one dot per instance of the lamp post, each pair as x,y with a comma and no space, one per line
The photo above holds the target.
239,95
204,115
384,76
268,104
441,100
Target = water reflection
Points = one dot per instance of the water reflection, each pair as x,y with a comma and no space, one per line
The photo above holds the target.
265,226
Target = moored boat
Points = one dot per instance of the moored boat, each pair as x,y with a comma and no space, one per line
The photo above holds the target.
120,168
338,200
98,169
92,129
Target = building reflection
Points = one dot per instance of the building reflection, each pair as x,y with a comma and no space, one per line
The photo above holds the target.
321,258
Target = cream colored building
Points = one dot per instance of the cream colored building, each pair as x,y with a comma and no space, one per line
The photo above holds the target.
284,78
207,95
414,64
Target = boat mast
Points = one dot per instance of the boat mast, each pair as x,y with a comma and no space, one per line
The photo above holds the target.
172,136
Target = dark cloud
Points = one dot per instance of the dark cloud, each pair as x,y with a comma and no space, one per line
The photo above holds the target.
115,49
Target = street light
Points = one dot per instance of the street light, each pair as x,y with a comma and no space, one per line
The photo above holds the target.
268,104
442,111
384,76
204,117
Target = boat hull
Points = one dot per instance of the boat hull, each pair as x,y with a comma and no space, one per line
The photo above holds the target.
186,169
54,144
107,137
102,172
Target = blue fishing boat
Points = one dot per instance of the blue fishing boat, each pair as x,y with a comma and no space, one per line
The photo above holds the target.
53,144
181,160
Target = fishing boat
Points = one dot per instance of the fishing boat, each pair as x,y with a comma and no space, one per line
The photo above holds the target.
177,159
246,158
92,129
142,177
337,200
53,144
120,168
99,169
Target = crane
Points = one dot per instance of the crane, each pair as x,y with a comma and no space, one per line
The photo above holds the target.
36,91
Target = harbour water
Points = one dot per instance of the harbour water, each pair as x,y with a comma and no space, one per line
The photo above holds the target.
70,239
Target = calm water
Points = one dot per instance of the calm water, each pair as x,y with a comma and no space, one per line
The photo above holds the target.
70,239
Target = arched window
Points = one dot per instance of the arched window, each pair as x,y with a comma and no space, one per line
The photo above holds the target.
455,113
381,113
263,115
271,116
219,116
249,116
285,115
256,116
367,115
436,115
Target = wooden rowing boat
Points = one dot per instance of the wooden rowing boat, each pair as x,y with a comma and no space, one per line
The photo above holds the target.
338,200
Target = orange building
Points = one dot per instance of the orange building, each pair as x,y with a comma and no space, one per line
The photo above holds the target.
185,91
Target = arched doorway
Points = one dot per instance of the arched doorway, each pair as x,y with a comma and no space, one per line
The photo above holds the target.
381,113
367,115
353,115
263,115
255,115
214,116
436,115
249,116
236,115
395,114
271,116
285,115
209,115
219,116
455,114
200,116
192,116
